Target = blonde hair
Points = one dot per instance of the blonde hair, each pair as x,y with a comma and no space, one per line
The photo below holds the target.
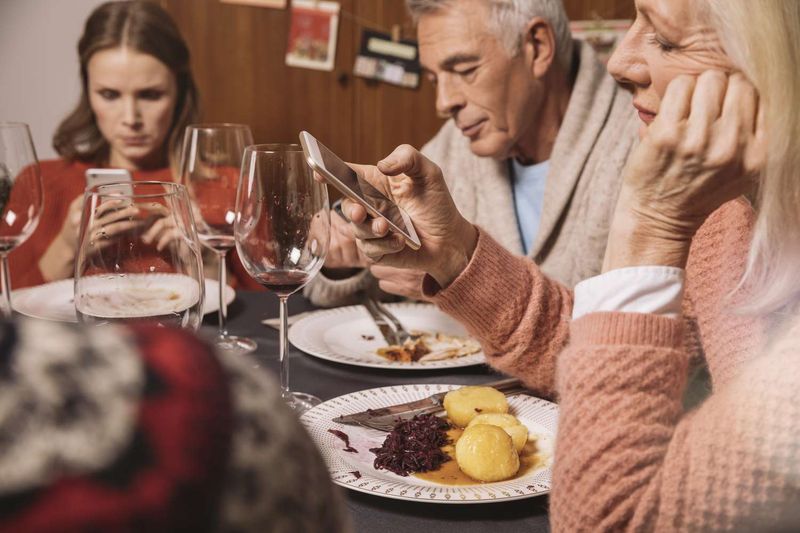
762,37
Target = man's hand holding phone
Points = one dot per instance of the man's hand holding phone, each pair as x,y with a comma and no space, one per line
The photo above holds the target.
416,184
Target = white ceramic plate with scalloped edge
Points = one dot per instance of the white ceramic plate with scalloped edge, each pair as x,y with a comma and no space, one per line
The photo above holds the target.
355,471
348,335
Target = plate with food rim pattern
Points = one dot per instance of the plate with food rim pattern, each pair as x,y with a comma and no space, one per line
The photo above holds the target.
355,470
348,335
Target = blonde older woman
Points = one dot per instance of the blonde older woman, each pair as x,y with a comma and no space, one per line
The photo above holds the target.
690,265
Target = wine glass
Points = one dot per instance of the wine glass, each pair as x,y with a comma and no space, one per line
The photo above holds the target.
282,233
21,197
138,256
210,165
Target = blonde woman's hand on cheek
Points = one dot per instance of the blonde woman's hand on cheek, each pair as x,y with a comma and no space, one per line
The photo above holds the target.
705,147
416,184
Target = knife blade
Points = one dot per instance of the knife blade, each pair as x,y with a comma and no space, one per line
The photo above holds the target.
428,405
387,331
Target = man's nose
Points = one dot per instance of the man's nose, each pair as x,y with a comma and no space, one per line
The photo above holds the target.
449,97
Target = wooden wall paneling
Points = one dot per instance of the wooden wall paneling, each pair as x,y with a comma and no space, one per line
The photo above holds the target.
238,62
607,9
386,115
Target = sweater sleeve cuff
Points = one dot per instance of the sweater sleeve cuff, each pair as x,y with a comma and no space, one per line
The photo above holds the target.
327,292
492,270
636,329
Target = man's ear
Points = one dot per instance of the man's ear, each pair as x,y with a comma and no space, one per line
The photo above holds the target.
539,46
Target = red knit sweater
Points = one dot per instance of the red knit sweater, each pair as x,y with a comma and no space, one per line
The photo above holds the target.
64,181
627,456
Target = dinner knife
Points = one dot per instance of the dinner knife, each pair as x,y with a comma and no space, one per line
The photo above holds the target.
431,404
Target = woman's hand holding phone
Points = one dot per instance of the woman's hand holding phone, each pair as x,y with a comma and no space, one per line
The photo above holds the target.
416,184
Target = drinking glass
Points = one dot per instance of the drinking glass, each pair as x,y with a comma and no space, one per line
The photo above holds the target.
21,198
210,165
138,256
282,233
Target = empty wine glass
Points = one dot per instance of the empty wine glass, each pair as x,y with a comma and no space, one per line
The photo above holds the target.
210,166
138,256
282,233
21,198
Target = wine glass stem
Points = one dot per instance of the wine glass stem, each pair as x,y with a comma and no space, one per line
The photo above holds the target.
5,286
284,354
222,313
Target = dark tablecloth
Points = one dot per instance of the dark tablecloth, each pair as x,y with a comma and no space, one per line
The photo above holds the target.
327,380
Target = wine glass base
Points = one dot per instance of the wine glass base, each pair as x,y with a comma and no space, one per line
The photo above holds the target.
301,402
237,345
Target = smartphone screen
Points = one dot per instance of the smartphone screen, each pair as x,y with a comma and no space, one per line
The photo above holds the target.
360,187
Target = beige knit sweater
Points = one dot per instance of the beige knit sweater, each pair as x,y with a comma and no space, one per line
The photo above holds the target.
597,134
628,457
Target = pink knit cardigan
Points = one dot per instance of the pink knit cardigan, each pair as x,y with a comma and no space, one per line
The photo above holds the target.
627,456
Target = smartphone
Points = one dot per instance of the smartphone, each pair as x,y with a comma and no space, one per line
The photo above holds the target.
344,178
105,176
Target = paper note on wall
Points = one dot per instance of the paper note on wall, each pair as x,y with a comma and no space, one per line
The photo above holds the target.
312,34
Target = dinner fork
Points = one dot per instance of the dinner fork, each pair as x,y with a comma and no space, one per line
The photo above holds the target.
390,327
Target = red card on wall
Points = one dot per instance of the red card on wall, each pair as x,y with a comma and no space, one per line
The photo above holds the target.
312,34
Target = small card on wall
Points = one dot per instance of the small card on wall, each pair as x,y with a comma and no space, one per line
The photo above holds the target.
277,4
394,61
312,34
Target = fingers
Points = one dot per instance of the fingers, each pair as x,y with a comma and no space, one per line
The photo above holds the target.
354,211
706,107
677,100
407,283
405,159
376,249
362,226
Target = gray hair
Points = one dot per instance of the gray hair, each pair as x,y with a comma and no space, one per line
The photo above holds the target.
508,19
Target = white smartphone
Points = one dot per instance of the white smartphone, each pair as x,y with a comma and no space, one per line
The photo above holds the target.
105,176
344,178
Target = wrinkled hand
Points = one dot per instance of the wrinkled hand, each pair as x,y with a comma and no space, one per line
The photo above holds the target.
343,251
406,283
416,184
705,147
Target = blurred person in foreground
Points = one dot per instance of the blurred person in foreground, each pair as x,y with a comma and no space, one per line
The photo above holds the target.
533,150
144,428
137,97
693,263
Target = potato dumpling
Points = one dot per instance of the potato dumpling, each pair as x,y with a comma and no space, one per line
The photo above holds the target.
486,453
509,423
464,404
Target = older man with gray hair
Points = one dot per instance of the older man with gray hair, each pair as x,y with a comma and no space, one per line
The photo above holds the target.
533,150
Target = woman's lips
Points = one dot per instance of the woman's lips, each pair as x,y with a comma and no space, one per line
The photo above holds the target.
134,141
645,115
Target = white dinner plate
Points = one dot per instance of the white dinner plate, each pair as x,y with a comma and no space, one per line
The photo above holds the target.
348,335
54,300
355,470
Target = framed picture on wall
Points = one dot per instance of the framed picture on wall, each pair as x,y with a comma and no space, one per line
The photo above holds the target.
312,34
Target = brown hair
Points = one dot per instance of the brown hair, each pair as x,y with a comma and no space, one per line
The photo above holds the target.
144,27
